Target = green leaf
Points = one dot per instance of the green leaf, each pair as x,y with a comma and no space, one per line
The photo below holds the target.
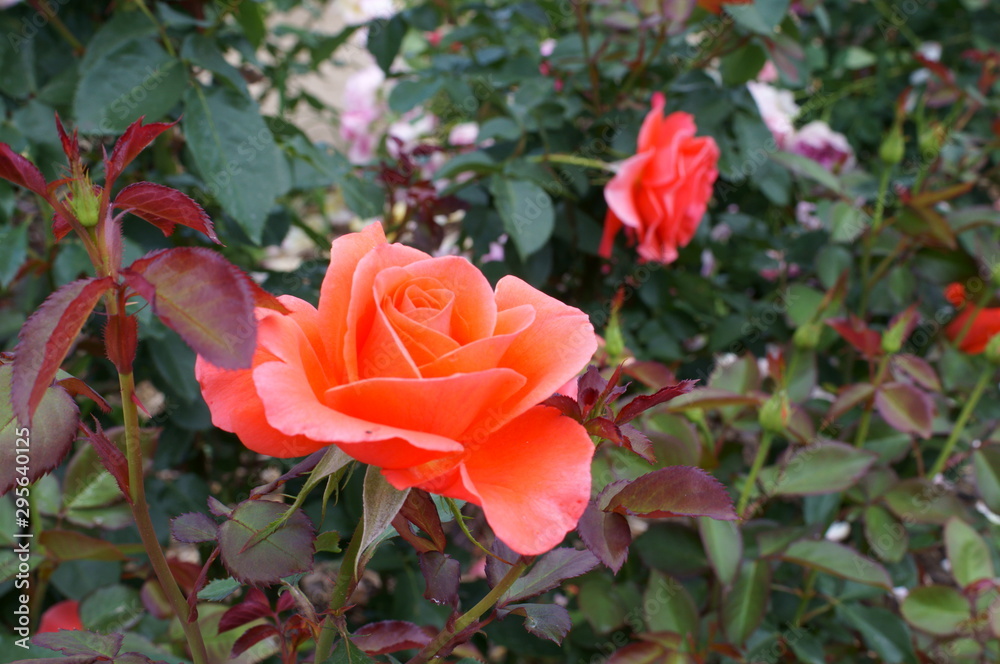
920,501
113,608
88,483
546,621
204,52
906,408
837,560
286,551
348,653
806,167
668,606
967,552
937,610
742,65
235,154
527,213
886,535
762,17
744,605
409,93
476,161
986,461
136,78
825,467
13,251
80,642
724,547
883,631
382,503
219,589
384,40
65,545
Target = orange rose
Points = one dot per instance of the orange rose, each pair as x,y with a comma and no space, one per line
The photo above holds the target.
415,365
984,326
661,193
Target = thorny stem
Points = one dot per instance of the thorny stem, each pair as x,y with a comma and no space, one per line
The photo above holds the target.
963,419
758,463
341,593
472,615
143,522
866,257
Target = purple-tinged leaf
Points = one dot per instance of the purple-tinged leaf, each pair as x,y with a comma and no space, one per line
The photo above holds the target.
133,141
60,226
218,508
637,442
650,374
612,390
906,408
672,491
136,658
604,428
15,168
80,642
72,659
253,606
298,470
164,207
46,338
194,528
421,511
546,621
849,397
379,638
589,388
70,146
820,468
111,457
121,336
566,405
495,565
711,397
637,406
252,637
286,551
606,534
548,572
204,298
640,653
919,370
837,560
48,441
442,574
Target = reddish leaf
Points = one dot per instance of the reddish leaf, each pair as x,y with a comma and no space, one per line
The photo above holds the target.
606,534
639,653
121,334
111,457
421,511
602,427
80,642
650,374
298,470
500,562
849,397
66,545
589,388
46,338
252,637
194,528
135,139
905,408
637,406
20,171
261,298
672,491
218,508
566,405
546,621
77,388
441,574
548,572
254,606
60,227
70,146
164,208
48,440
637,442
855,332
919,370
379,638
201,296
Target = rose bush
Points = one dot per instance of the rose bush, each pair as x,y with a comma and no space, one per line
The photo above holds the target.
415,365
661,193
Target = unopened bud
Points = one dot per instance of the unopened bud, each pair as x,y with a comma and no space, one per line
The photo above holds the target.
893,146
929,140
993,349
83,202
775,413
807,336
614,340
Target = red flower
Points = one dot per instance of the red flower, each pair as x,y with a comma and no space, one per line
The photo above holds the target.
985,324
416,365
715,6
62,615
661,193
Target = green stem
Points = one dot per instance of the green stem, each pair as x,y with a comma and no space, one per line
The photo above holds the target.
758,463
595,76
49,13
144,523
866,257
963,419
574,160
807,594
341,593
141,4
866,418
472,615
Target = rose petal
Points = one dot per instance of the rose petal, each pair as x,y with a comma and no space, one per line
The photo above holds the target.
619,192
